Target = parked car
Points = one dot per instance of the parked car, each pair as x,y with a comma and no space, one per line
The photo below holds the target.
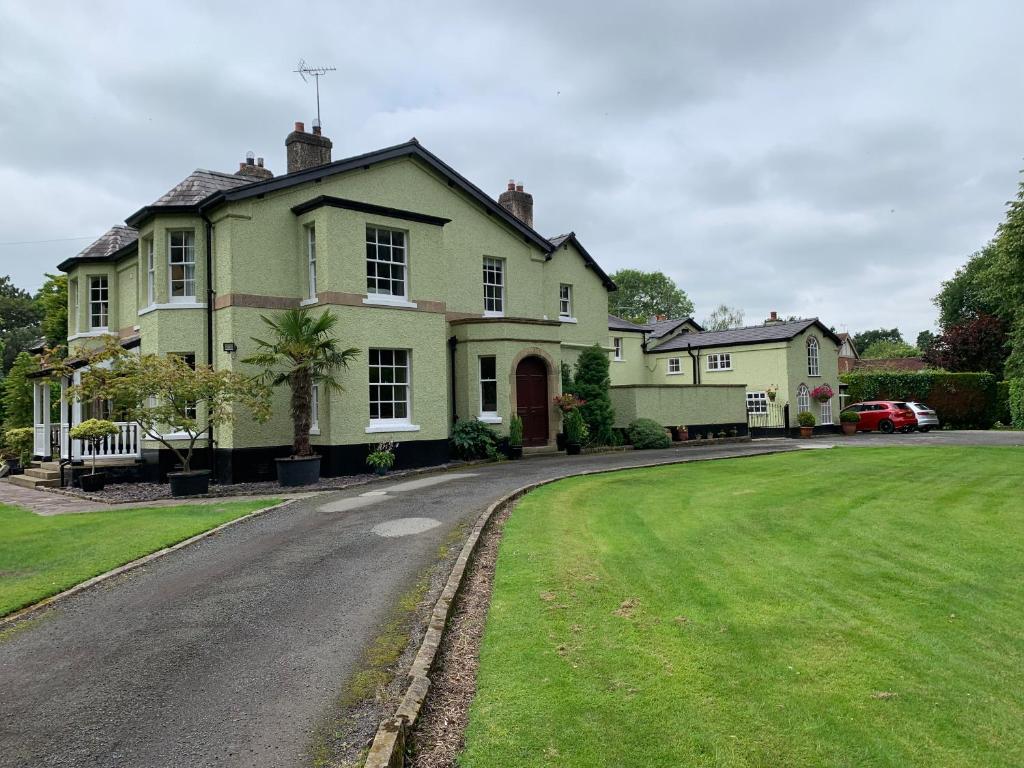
884,415
926,417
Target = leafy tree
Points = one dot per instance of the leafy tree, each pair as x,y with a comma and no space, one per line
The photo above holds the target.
642,295
302,352
884,348
967,294
52,303
723,318
591,384
865,339
17,395
19,320
976,345
1005,280
925,339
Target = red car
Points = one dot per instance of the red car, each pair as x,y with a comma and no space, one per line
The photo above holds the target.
884,415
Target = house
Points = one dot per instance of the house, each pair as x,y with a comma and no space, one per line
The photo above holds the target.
790,358
848,354
460,309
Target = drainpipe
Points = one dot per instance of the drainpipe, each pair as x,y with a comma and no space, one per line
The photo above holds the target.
452,344
210,296
696,364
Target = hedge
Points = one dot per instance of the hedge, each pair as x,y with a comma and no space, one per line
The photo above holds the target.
961,400
1003,402
1016,400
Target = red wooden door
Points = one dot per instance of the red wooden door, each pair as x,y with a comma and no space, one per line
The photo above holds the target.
532,400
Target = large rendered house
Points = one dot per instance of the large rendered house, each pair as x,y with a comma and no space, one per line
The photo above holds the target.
459,308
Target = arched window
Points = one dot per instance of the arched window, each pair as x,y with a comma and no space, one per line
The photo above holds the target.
803,399
812,357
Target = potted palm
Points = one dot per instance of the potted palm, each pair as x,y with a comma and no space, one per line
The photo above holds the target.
849,420
94,432
302,351
806,421
515,437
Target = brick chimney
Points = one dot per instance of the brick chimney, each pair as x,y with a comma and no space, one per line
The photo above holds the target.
307,150
517,202
773,319
253,167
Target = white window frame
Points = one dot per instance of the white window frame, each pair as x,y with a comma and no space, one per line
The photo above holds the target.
187,250
150,272
757,402
803,399
719,361
674,366
617,347
392,423
104,302
826,412
494,300
565,303
488,417
375,295
813,365
314,410
311,282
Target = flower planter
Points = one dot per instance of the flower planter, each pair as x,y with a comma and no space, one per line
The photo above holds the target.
806,431
15,466
849,427
682,434
380,471
189,483
572,449
298,470
93,483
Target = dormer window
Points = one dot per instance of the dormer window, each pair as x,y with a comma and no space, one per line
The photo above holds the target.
181,259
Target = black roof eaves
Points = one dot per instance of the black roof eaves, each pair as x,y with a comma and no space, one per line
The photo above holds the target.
125,251
329,201
591,262
145,213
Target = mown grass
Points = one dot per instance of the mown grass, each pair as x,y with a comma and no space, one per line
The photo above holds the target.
849,607
41,556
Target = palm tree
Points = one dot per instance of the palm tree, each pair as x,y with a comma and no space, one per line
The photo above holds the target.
303,352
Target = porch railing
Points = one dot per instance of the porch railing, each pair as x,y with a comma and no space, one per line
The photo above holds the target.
124,445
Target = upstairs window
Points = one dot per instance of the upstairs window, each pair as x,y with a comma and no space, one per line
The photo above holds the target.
311,259
617,345
721,361
812,357
181,258
564,301
150,273
674,366
385,263
494,286
99,303
389,385
488,386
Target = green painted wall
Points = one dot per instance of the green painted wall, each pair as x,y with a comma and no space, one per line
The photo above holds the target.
674,405
828,366
634,366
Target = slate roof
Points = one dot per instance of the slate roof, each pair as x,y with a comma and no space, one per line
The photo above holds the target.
116,238
199,185
754,334
616,323
559,240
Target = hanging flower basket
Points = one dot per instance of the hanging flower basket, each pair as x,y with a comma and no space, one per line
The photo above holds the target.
822,393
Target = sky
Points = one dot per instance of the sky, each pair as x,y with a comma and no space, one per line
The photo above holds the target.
829,159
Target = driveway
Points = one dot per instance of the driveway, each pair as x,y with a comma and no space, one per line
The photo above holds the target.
229,652
962,437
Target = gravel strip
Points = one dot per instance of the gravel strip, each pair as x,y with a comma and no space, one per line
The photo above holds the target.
440,730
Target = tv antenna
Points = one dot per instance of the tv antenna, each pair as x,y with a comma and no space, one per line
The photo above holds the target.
303,69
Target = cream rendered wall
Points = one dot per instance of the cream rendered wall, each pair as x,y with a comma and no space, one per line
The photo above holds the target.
672,406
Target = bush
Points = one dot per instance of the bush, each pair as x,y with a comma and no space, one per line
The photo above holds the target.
1002,413
515,431
19,442
806,419
1016,403
474,440
591,384
960,399
849,417
576,430
647,433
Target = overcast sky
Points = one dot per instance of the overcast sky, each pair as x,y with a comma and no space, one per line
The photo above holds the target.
837,159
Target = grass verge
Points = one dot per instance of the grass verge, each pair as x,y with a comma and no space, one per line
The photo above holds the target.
41,556
847,607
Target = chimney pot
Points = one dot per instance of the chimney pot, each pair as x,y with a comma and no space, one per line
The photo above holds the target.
300,127
775,315
259,161
307,150
316,130
519,187
511,185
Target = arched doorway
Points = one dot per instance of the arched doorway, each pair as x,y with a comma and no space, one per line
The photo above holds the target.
532,400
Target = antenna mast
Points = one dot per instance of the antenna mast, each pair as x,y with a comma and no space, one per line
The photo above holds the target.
303,69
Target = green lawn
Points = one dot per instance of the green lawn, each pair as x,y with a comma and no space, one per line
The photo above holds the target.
41,556
848,607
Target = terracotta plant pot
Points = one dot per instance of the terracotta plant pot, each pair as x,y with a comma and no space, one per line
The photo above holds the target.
849,427
806,431
683,434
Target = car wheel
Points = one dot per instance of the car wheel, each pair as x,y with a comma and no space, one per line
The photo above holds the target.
923,429
886,426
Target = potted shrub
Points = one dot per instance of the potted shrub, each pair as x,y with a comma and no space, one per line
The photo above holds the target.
303,351
515,437
94,432
806,421
849,420
682,433
575,432
772,392
822,393
19,448
382,457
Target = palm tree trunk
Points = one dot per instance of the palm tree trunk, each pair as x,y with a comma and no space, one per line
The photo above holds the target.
301,404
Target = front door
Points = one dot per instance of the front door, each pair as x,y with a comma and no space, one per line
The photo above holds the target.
532,400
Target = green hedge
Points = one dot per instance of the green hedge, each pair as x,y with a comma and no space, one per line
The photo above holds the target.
961,400
1016,402
1003,402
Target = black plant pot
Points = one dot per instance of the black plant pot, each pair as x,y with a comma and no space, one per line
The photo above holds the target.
515,451
15,466
572,449
93,483
189,483
298,470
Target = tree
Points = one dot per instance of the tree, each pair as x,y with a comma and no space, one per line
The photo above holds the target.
865,339
52,303
18,411
642,295
723,318
303,352
967,294
925,339
19,321
591,384
976,345
889,349
164,392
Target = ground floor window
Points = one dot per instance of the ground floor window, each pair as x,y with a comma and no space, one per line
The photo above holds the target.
803,399
314,410
488,386
389,385
826,412
757,402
